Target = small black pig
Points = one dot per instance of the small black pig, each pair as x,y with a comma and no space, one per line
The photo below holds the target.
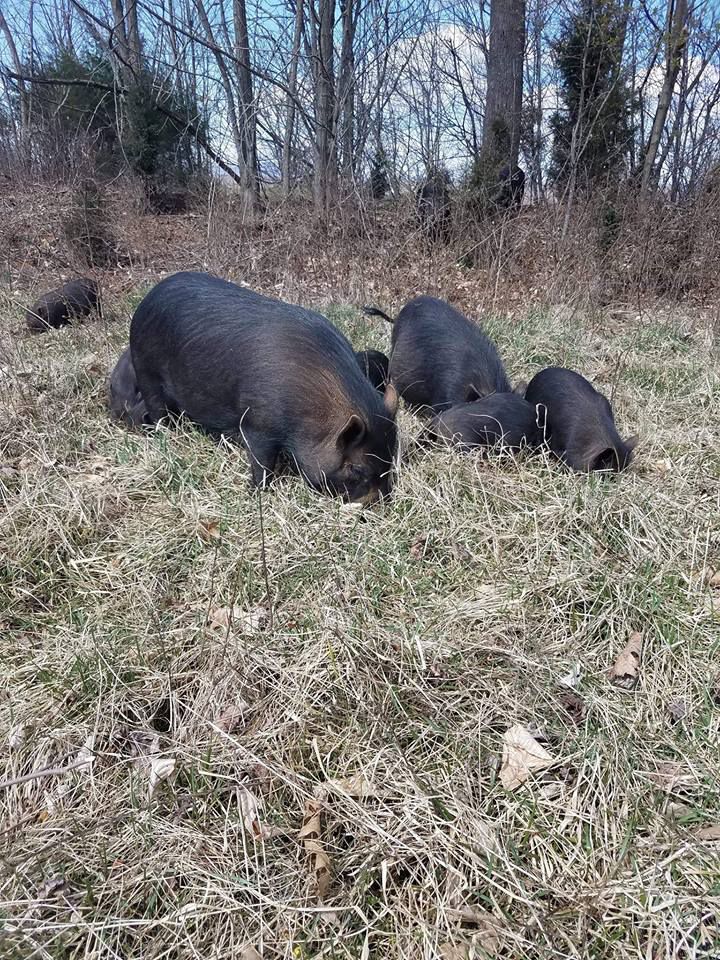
439,358
501,417
123,397
578,421
433,208
374,365
279,378
74,299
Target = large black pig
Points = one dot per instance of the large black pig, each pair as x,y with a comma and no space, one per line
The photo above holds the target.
578,421
439,358
75,299
279,378
123,396
374,365
501,417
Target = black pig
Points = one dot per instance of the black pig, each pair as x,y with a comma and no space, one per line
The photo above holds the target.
433,208
510,188
75,299
578,421
374,365
123,396
501,417
279,378
439,358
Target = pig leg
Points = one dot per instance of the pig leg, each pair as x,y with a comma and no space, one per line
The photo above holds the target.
262,455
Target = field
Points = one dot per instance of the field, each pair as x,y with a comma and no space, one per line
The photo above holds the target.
239,726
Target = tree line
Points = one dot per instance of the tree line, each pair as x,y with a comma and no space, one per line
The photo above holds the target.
342,98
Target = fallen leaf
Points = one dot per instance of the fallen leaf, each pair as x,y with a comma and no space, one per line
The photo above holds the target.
161,768
522,755
53,887
673,775
489,932
459,552
709,834
573,704
248,952
85,756
310,837
233,716
663,466
251,815
418,546
624,672
454,951
573,678
676,711
209,530
713,579
17,736
355,786
243,621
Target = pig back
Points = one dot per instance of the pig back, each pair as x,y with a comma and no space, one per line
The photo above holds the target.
227,356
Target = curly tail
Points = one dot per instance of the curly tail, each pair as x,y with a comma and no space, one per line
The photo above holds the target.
374,312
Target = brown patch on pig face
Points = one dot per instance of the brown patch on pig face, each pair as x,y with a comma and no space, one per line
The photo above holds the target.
357,463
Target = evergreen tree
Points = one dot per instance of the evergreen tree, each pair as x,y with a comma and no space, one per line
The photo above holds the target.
379,183
592,135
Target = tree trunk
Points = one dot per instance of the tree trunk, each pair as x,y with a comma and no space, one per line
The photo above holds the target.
345,107
228,88
290,105
246,105
503,104
23,94
677,36
325,154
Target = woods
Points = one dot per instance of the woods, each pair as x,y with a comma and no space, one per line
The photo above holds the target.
306,94
596,120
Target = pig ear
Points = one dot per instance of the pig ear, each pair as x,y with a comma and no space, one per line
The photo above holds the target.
352,433
391,399
632,442
605,459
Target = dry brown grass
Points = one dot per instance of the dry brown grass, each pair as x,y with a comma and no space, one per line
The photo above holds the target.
405,642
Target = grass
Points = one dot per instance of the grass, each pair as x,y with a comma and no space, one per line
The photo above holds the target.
404,642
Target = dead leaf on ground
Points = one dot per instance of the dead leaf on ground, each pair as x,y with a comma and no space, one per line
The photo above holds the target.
85,756
161,768
248,952
454,951
573,704
251,815
624,672
573,677
459,552
522,755
232,717
713,579
310,833
209,530
238,619
677,711
673,775
356,786
419,546
663,467
489,928
709,834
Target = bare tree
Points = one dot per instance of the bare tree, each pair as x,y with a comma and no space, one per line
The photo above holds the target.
322,22
677,36
503,104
